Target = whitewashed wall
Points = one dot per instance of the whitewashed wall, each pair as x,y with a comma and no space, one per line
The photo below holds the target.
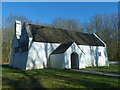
14,44
91,55
38,55
19,59
63,60
74,48
57,61
88,56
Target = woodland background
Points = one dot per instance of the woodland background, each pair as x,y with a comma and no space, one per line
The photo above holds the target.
105,26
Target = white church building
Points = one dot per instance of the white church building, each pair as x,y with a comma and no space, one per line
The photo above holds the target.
38,47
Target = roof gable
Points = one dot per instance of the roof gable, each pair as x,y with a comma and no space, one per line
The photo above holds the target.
56,35
62,48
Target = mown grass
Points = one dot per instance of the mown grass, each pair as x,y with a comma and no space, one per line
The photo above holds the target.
114,68
54,78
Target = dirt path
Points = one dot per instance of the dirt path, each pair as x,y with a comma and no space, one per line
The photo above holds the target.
100,73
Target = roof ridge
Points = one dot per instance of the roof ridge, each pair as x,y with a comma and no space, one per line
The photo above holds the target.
60,29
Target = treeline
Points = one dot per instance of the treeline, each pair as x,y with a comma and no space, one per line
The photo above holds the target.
105,26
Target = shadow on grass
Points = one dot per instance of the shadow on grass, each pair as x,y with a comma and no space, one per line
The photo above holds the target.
32,78
81,79
23,81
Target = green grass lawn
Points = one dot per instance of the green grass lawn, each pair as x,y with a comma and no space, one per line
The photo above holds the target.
114,68
54,78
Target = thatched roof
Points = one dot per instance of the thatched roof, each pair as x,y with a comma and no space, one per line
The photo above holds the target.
62,48
56,35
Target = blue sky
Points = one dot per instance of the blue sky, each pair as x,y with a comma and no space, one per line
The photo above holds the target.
45,12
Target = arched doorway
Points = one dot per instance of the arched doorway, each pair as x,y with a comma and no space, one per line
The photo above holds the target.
74,61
